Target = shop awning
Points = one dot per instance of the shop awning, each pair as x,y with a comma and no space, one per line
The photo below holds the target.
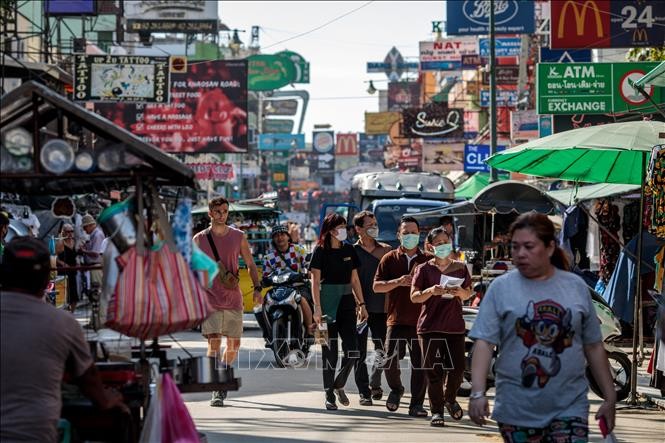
474,184
654,77
590,192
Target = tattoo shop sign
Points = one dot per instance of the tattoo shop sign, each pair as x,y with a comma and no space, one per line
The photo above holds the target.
433,120
121,78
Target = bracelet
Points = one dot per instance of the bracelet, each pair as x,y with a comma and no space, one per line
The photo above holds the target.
476,395
361,304
258,288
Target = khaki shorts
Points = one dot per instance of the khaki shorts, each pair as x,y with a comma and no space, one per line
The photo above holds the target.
225,322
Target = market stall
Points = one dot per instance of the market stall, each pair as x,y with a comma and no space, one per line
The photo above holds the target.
54,147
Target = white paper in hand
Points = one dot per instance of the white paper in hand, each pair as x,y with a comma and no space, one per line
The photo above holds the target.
451,282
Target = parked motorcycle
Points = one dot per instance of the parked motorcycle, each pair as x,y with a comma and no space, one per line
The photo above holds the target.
281,318
610,327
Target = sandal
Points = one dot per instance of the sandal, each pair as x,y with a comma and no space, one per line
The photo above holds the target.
437,421
392,403
455,410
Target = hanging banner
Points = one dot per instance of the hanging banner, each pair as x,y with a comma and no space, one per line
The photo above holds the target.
121,78
523,125
371,147
442,157
435,120
472,17
606,24
445,54
593,88
377,123
207,112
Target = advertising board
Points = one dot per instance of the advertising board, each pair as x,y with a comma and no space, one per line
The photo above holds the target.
472,17
445,54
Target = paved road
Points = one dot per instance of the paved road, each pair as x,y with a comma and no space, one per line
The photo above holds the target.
287,405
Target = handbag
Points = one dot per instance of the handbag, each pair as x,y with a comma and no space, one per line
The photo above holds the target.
229,279
157,292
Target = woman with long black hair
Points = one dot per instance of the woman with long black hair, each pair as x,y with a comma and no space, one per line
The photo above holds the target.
337,295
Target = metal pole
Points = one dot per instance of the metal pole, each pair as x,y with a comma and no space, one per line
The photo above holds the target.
493,174
637,299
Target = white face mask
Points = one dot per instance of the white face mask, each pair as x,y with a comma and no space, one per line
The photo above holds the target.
341,234
373,232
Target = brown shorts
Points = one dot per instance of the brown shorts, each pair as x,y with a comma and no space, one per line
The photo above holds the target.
225,322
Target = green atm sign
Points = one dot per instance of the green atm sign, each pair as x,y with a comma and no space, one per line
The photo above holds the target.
593,88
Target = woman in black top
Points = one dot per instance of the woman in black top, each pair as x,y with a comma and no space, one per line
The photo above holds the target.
337,294
67,257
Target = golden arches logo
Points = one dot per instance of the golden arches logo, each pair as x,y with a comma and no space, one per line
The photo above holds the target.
640,35
580,17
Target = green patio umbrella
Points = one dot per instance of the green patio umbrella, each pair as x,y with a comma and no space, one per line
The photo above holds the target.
474,184
612,153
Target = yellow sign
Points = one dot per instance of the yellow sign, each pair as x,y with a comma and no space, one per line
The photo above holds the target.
380,122
580,17
640,35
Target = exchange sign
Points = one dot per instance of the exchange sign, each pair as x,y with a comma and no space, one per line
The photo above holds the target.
593,88
607,24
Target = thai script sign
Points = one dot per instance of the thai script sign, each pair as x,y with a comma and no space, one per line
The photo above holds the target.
445,54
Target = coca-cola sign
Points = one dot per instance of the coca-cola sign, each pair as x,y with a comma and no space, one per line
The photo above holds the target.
434,120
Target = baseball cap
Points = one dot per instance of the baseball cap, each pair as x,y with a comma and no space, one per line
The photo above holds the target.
26,254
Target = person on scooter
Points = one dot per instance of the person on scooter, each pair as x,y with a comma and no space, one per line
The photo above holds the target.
544,324
287,255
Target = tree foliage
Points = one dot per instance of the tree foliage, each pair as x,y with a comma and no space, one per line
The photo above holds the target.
656,54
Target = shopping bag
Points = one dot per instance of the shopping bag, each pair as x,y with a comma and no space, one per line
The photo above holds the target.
156,293
177,424
152,425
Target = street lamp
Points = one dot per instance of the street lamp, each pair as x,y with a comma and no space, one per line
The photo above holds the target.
371,89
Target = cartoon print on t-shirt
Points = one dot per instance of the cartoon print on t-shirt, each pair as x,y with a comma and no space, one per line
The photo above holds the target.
546,331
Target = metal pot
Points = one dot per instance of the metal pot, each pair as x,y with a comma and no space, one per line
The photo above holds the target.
118,224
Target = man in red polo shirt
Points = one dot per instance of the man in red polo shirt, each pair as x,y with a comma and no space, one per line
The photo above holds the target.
393,277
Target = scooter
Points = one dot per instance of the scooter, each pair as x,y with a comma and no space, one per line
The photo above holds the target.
610,327
281,318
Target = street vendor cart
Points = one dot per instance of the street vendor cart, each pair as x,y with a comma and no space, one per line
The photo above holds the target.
54,147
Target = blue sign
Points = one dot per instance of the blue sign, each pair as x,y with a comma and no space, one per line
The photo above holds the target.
441,66
565,55
503,98
371,147
70,7
503,47
281,142
475,156
473,17
544,125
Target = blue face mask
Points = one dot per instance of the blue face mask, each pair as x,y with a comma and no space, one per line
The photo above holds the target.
409,241
444,250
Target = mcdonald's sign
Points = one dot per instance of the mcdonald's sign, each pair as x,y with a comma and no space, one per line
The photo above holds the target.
347,144
606,24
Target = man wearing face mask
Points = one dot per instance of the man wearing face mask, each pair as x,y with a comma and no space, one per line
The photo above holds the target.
370,253
393,277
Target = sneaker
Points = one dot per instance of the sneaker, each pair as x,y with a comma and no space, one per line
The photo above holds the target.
331,405
217,399
377,393
365,400
343,399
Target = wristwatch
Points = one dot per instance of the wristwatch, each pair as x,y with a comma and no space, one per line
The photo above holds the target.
258,288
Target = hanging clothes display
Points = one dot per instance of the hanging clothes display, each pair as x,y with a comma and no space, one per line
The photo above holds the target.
574,235
608,216
631,221
656,190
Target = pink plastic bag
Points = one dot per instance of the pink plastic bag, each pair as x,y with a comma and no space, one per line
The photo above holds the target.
177,424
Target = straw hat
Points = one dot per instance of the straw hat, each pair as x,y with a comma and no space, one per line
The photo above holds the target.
88,220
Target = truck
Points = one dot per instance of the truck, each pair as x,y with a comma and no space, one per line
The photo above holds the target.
391,195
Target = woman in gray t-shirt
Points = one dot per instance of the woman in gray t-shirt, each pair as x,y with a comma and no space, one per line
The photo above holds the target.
543,322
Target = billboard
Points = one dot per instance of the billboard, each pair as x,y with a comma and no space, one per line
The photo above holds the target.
441,157
346,145
593,88
475,156
472,17
445,54
434,120
503,47
270,71
207,112
281,142
403,95
188,16
70,7
607,24
377,123
371,147
523,125
129,78
504,97
213,171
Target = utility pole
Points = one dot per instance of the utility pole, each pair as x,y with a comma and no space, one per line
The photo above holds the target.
493,174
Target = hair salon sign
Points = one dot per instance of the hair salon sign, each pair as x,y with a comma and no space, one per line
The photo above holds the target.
434,120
